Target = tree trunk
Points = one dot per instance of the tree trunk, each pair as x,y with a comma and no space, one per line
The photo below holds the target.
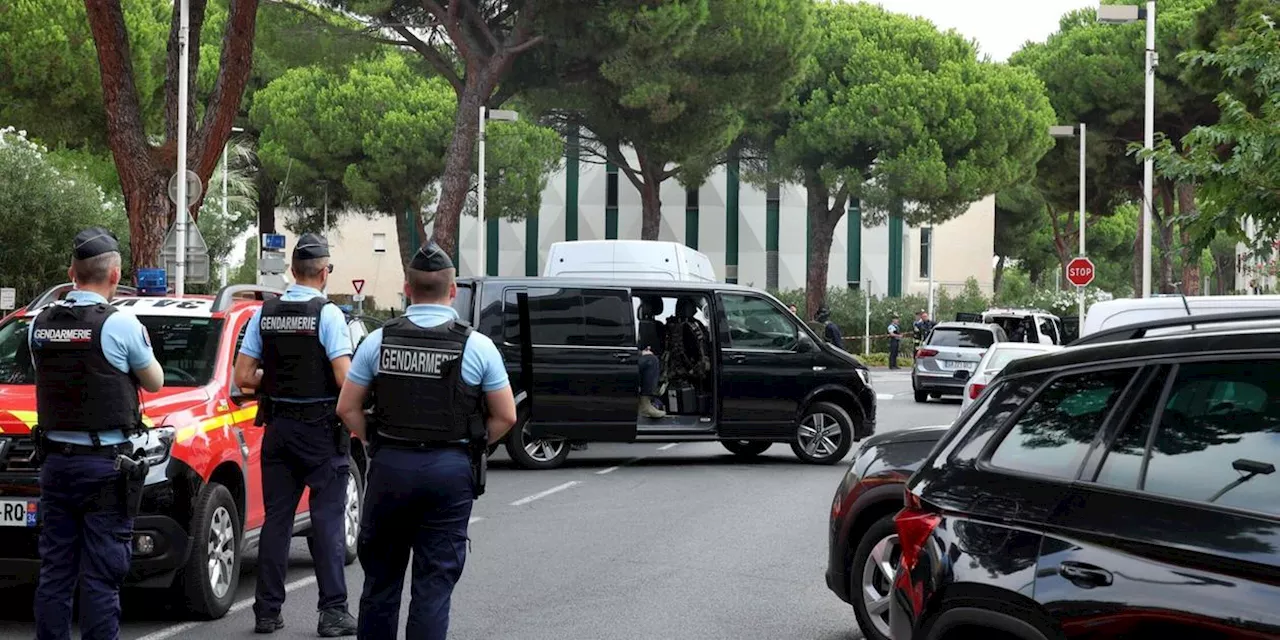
652,174
149,209
1191,271
998,277
822,228
266,202
455,183
1164,235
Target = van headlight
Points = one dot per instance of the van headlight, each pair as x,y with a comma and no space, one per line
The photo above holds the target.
158,443
865,374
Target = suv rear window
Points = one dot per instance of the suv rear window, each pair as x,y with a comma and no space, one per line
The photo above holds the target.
186,348
961,337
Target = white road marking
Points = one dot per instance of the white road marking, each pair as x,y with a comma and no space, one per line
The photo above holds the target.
475,520
609,470
542,494
170,632
668,446
885,396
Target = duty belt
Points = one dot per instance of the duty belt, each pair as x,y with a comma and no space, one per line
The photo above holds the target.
305,411
71,449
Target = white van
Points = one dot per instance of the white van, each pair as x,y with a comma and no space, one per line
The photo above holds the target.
1036,326
628,259
1123,311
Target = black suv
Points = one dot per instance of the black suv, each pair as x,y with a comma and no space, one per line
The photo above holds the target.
571,348
1124,487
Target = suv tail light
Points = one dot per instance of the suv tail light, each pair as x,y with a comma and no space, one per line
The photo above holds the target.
926,353
975,390
914,526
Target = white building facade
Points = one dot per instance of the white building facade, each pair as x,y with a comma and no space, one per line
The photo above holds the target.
757,237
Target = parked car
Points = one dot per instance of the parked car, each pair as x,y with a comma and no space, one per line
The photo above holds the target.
863,549
948,355
1109,314
755,375
1125,487
201,505
997,357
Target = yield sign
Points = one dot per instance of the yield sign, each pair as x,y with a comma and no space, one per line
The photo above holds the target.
358,284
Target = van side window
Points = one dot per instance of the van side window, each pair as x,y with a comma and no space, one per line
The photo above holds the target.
571,317
753,323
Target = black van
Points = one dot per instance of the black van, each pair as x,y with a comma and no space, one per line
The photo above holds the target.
571,348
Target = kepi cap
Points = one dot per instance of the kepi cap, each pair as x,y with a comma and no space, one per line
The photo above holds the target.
311,246
430,257
94,241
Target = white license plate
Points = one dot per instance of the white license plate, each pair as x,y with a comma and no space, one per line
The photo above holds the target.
18,512
957,366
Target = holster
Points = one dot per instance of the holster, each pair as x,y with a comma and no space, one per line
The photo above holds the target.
341,436
265,406
128,486
41,451
479,450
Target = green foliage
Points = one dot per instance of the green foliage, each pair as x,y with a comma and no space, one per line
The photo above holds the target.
676,81
42,207
247,272
1236,161
891,109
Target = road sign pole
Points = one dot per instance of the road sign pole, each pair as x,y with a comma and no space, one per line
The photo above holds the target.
1080,290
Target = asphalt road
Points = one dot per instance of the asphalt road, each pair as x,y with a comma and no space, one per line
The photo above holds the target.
626,541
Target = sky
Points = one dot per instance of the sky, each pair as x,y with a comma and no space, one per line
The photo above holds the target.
1000,27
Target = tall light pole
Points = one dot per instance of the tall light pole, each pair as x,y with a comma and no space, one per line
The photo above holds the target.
486,115
1067,132
1122,14
180,221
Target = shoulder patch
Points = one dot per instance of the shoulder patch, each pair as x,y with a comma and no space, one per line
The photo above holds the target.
146,335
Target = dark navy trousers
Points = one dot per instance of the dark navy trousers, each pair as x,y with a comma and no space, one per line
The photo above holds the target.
295,455
419,502
83,541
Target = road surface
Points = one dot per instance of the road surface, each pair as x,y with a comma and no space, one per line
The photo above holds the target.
625,541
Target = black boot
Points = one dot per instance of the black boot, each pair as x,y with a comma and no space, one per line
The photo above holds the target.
335,623
270,624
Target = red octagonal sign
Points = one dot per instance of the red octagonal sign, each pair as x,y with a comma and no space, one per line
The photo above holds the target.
1080,272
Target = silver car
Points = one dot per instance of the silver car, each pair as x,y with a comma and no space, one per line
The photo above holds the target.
999,355
949,355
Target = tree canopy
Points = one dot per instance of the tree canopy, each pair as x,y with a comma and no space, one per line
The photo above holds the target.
893,111
676,82
377,133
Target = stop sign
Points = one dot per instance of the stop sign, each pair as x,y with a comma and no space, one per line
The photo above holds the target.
1080,271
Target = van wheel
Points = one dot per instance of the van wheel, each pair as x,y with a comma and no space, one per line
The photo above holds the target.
746,448
824,435
922,396
530,453
213,566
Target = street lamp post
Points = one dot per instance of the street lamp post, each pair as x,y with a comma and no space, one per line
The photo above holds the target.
486,115
1067,132
1123,14
180,221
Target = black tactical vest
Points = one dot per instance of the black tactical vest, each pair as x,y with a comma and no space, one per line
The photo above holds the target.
418,390
294,361
77,389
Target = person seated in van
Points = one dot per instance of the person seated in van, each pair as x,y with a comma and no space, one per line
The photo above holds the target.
687,351
649,341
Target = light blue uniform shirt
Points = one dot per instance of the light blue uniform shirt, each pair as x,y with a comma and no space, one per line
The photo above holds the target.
481,361
127,347
333,331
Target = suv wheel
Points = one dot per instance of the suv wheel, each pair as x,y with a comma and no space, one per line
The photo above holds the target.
529,453
824,435
871,576
746,448
213,565
351,511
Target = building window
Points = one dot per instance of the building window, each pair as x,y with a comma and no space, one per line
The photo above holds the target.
379,243
926,237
